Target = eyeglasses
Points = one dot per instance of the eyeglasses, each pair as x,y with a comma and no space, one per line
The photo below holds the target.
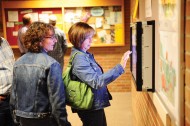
51,37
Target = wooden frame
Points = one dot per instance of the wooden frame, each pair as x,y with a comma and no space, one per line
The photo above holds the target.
63,4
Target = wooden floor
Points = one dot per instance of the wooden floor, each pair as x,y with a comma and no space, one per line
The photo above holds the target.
118,114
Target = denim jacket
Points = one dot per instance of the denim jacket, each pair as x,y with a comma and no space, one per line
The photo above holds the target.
85,68
38,89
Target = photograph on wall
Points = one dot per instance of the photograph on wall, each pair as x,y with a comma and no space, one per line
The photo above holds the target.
168,67
169,58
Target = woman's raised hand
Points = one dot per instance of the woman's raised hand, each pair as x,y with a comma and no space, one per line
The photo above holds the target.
124,58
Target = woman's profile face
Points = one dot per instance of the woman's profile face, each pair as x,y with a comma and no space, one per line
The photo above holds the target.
48,42
87,43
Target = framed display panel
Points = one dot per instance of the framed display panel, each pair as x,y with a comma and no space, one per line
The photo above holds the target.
170,87
142,45
106,17
136,58
106,20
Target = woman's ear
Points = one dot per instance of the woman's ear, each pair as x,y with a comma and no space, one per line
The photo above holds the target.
41,44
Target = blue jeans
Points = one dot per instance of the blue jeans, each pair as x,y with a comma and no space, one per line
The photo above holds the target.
5,114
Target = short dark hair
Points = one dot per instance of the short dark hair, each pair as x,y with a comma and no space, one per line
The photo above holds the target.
35,34
52,19
1,40
26,19
79,32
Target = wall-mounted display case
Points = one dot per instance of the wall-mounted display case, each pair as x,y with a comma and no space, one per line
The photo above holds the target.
142,45
106,17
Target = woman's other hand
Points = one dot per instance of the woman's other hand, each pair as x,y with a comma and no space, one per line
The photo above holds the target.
124,59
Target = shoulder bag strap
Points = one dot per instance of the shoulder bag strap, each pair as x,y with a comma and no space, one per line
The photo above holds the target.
73,56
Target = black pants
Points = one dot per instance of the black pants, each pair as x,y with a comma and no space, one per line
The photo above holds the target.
5,113
37,122
93,118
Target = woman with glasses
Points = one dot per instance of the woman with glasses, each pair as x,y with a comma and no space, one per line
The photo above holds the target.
37,96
